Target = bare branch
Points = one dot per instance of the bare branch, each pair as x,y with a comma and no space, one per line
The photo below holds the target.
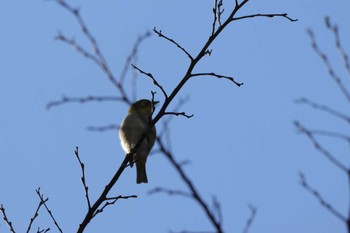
250,220
218,76
331,134
103,128
194,193
86,188
82,100
265,15
155,82
322,150
169,192
319,197
179,114
132,55
328,65
160,34
47,209
111,201
35,214
324,109
6,220
334,28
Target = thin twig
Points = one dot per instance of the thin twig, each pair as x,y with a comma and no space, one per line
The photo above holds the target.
324,108
155,82
48,210
82,166
250,220
331,134
265,15
103,128
169,192
320,148
319,197
217,76
160,34
179,114
6,220
111,201
328,65
334,28
35,214
82,100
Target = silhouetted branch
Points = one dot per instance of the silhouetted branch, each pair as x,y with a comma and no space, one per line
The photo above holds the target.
35,214
265,15
218,76
160,34
103,128
217,14
320,148
111,201
319,197
6,220
179,114
250,220
331,134
155,82
328,65
169,192
47,209
82,100
193,191
334,28
324,109
132,55
86,188
43,230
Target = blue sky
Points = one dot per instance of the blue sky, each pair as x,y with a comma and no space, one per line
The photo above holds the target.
241,142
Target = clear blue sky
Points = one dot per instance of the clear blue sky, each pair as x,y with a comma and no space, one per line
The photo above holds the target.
241,141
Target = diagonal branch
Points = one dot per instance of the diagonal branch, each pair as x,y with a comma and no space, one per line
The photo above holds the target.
35,214
160,34
328,65
86,188
193,191
48,210
218,76
334,28
155,82
250,220
322,150
319,197
324,109
82,100
169,192
6,220
284,15
112,201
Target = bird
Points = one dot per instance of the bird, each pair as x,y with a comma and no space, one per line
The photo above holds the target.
135,124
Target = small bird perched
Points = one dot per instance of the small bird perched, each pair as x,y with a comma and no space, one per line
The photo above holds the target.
134,125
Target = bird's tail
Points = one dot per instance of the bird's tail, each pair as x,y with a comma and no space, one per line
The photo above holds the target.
141,176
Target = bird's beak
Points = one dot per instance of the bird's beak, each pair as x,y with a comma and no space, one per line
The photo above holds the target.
155,103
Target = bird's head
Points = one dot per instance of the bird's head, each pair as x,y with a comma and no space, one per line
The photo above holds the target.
143,107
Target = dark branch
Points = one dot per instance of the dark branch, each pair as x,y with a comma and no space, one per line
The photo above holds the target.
319,197
250,220
103,128
111,201
331,134
265,15
318,147
179,114
86,188
218,76
155,82
169,192
6,220
328,65
48,210
160,34
334,28
82,100
324,109
35,214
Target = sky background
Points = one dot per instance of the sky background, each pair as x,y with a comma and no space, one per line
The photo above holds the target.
241,142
